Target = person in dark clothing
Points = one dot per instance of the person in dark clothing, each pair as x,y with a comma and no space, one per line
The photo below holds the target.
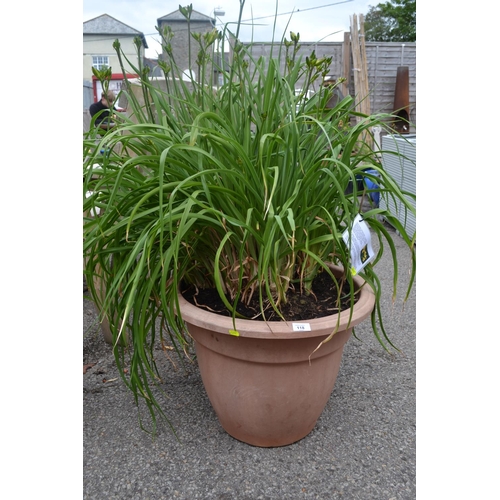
337,96
103,109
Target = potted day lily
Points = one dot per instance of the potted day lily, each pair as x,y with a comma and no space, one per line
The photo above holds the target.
227,216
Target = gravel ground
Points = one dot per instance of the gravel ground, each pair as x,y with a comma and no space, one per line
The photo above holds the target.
363,446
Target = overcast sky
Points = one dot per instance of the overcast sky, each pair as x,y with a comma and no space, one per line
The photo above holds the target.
315,20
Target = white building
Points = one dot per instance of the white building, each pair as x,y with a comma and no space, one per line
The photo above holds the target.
99,35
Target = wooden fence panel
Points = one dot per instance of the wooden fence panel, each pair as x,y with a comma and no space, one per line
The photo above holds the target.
383,60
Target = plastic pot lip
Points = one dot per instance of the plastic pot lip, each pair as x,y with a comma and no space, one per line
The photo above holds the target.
316,327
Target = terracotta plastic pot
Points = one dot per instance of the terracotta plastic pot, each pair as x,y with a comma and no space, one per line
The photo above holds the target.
268,385
100,289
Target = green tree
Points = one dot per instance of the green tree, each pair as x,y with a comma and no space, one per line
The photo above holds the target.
392,21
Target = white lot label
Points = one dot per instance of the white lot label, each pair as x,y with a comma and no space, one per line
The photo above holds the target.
301,327
360,243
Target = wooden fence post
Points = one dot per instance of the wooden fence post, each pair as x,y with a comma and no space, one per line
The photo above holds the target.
360,68
346,63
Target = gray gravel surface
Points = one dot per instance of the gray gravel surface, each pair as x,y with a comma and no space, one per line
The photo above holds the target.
363,446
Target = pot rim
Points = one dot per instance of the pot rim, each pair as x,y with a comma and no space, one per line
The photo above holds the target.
325,325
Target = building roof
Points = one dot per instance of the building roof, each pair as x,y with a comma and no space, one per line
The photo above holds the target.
177,16
107,25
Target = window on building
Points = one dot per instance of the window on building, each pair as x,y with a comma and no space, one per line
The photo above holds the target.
100,62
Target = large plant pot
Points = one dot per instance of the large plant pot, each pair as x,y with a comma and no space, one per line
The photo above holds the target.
100,289
101,292
268,386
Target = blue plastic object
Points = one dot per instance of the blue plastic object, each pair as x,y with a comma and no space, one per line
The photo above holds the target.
375,194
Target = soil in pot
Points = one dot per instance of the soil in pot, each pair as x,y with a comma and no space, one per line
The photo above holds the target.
299,307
